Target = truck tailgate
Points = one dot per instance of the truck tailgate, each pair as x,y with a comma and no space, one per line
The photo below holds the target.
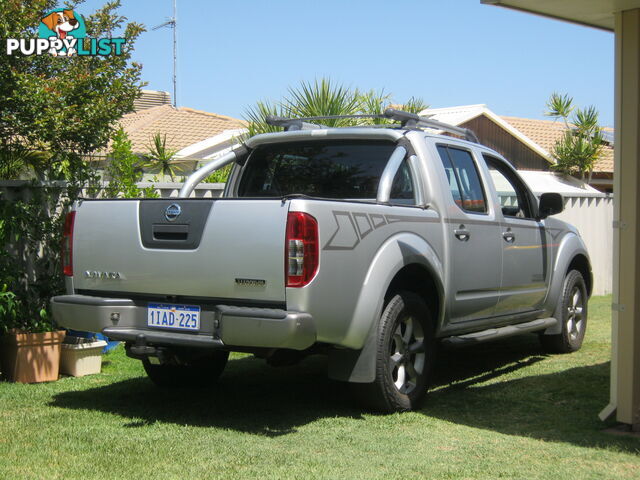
213,248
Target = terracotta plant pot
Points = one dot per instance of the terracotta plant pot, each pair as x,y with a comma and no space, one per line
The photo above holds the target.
31,357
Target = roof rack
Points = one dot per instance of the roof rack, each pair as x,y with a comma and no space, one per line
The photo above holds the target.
406,119
412,120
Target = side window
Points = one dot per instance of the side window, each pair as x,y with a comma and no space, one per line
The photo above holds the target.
451,176
402,189
512,194
464,180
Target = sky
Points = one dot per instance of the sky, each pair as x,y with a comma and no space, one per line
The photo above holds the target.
447,52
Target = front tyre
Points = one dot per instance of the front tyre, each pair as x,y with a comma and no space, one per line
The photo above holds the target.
572,313
405,355
184,371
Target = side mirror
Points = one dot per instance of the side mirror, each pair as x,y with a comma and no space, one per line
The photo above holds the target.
550,204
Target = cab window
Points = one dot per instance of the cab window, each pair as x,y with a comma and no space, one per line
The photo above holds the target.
402,188
464,180
512,194
336,169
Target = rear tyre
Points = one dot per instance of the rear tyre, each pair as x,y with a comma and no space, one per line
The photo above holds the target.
572,313
405,355
188,372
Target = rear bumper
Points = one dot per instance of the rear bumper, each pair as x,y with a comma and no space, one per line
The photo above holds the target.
221,326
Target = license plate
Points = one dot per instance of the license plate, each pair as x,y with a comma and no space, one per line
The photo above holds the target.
181,317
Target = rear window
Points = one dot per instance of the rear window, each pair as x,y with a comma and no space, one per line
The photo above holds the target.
328,169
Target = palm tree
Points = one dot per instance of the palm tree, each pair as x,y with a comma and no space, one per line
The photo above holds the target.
581,145
16,160
414,105
324,97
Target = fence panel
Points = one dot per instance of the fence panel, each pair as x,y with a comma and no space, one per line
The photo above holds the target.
593,217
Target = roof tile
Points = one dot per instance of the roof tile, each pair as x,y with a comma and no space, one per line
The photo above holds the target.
547,132
183,126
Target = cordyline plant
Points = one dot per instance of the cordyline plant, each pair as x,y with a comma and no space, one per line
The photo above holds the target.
580,147
160,157
55,111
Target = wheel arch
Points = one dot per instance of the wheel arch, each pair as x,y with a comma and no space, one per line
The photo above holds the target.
581,263
418,279
572,254
404,262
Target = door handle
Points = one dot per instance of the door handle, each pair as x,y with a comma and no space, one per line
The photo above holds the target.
509,236
177,233
462,233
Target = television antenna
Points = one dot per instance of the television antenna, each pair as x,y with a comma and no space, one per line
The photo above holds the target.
173,24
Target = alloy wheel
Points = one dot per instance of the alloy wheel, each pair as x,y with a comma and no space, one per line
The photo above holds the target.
575,317
407,354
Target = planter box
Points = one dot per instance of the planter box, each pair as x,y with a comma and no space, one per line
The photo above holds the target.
31,357
79,359
111,344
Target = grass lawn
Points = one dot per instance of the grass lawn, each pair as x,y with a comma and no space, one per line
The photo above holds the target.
503,410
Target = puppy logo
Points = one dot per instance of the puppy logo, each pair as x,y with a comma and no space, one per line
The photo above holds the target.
62,32
63,28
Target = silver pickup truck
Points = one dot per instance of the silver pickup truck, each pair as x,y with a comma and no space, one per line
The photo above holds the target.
372,245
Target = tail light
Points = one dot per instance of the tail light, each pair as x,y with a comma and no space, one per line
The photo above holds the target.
67,244
301,249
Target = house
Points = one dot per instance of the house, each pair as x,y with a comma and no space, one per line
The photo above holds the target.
526,143
182,126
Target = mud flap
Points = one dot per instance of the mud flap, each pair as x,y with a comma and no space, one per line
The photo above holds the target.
555,330
356,366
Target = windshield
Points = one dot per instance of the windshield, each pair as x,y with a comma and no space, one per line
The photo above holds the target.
332,169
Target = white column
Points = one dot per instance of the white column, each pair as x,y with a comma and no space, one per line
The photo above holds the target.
625,366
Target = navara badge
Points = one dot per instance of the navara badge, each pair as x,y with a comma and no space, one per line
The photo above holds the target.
172,212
